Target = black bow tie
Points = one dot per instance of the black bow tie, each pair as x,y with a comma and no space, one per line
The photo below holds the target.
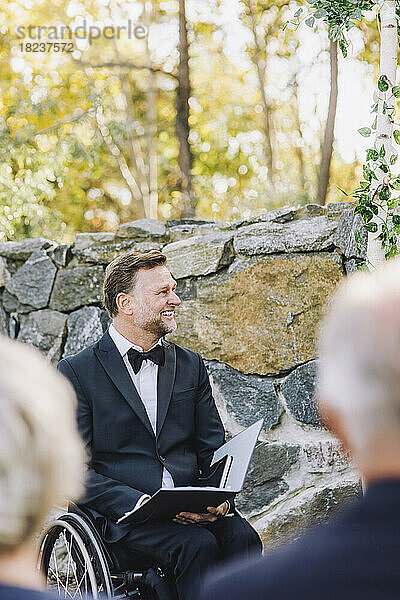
156,355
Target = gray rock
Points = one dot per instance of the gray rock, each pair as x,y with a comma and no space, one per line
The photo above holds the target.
61,255
306,508
12,305
86,240
76,287
45,330
181,232
298,390
4,273
105,254
325,457
199,255
263,481
196,222
345,237
270,461
350,266
3,321
23,250
142,229
258,498
32,283
279,215
85,327
247,397
297,236
309,210
335,209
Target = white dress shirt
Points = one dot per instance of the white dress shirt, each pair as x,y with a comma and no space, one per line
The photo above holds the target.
145,382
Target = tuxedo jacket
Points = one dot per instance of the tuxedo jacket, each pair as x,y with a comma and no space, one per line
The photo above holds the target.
126,456
356,556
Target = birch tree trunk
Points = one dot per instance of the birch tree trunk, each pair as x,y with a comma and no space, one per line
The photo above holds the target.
327,147
384,128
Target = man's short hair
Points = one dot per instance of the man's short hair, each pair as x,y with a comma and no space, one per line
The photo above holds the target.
121,275
41,453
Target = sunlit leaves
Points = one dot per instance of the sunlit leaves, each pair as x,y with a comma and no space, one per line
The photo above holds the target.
365,131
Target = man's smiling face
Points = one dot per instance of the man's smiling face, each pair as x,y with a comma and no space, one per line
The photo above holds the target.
155,301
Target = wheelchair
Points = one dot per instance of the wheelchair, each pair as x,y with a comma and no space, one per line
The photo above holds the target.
78,564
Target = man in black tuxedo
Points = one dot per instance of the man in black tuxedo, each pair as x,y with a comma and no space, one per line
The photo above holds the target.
147,415
357,555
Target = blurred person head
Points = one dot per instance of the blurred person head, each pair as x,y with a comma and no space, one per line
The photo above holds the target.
41,454
359,373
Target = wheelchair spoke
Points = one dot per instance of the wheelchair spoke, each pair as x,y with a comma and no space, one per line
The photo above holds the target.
70,562
79,583
73,561
69,559
55,563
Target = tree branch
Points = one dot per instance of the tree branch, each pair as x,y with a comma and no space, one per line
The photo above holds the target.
55,126
128,65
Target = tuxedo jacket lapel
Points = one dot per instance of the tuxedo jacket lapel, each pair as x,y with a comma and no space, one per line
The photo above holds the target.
112,362
165,383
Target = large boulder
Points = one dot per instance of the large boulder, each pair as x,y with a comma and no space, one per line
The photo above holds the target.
31,285
199,255
247,397
88,240
270,237
259,316
105,254
4,272
264,481
143,229
44,329
61,255
298,390
76,287
23,250
182,230
349,225
85,327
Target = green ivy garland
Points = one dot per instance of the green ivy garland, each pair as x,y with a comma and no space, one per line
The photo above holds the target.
341,16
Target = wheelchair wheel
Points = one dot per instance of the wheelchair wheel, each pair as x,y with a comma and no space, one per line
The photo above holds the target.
72,560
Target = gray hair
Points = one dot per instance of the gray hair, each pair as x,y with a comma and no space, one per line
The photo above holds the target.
359,373
41,454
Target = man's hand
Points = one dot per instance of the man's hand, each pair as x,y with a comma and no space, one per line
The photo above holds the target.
213,513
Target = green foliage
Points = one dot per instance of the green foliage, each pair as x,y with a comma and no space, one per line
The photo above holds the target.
341,16
376,201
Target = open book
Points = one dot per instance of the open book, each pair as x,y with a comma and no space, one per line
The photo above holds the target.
223,481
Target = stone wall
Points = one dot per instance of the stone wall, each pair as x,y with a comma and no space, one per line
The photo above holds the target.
253,294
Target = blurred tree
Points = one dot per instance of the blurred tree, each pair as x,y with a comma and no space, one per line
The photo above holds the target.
91,136
183,94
